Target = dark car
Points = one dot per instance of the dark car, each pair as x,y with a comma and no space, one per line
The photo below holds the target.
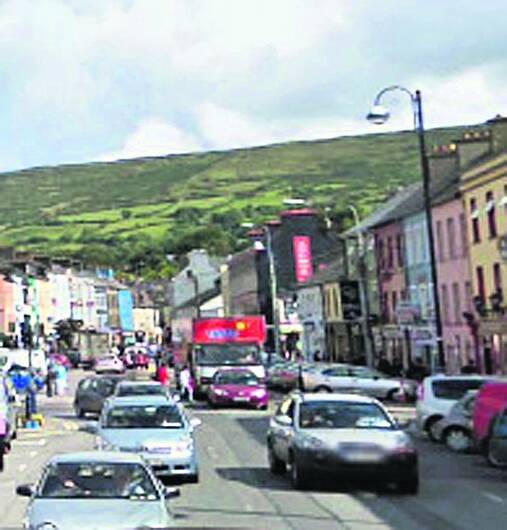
92,392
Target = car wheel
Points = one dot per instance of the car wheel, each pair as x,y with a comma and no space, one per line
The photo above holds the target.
299,477
457,440
492,460
276,466
409,486
429,428
323,389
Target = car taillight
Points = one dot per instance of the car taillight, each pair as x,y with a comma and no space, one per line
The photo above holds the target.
420,392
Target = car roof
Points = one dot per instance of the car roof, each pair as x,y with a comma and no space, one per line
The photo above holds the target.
128,382
97,456
461,377
335,397
126,401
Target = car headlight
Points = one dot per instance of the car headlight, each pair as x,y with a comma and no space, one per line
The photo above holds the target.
184,445
312,443
259,393
220,392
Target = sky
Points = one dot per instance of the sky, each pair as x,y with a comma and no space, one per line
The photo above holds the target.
99,80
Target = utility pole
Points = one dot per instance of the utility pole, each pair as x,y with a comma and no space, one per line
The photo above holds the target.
274,289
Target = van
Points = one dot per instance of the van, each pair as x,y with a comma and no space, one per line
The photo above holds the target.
491,400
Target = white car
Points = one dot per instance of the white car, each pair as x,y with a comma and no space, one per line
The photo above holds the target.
109,364
437,394
97,489
356,379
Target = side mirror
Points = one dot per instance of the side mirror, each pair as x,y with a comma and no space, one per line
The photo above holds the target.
171,493
284,420
25,490
91,427
195,422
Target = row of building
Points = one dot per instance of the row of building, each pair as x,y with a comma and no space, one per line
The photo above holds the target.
370,289
37,294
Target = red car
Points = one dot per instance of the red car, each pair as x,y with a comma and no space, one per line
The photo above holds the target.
238,387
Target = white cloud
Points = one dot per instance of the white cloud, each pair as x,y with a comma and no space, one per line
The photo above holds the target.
153,137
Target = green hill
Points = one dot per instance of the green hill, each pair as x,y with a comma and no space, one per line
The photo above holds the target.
137,210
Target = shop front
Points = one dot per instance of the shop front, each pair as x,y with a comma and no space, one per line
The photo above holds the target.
493,335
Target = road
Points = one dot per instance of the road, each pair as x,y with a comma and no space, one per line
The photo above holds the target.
237,490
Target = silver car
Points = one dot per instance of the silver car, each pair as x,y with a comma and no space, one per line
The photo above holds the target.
97,490
141,388
155,428
455,429
343,435
357,379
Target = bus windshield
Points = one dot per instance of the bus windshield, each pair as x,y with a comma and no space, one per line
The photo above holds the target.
227,354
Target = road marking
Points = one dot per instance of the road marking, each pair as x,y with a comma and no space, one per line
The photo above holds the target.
33,454
22,467
41,443
493,497
212,452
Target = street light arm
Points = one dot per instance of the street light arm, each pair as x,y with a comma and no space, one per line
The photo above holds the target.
393,88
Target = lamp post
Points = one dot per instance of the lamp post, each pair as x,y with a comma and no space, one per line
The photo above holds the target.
272,287
380,115
363,289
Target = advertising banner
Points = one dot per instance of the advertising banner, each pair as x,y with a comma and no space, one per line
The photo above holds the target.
220,330
302,246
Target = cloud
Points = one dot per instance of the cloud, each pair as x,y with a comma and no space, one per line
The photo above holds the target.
153,137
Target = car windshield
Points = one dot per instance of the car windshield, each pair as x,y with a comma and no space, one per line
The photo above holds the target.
94,480
236,378
140,390
144,417
227,354
343,415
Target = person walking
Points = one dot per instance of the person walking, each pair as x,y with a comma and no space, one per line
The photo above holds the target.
187,384
61,379
163,374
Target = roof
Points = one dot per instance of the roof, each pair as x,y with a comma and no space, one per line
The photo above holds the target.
97,456
332,273
295,213
336,397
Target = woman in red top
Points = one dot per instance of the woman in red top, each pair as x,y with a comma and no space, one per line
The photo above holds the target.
163,375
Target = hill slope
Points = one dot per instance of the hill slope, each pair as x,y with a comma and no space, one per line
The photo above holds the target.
99,209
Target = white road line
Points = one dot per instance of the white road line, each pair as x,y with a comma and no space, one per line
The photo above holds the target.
212,452
22,467
33,454
493,497
41,443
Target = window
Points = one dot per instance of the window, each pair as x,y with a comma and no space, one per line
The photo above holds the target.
457,302
497,277
390,254
380,253
399,249
491,212
481,287
385,305
474,212
445,302
337,371
455,389
468,296
463,234
451,238
440,242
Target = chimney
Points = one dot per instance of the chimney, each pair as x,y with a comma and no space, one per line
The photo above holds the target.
443,161
498,128
472,146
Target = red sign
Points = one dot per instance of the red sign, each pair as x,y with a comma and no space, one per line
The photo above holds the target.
303,257
236,329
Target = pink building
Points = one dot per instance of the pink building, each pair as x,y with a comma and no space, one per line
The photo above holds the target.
454,279
392,286
7,309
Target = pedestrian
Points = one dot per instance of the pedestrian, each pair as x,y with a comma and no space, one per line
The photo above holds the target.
187,384
163,374
61,379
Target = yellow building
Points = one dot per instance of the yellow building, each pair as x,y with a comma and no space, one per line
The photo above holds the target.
484,192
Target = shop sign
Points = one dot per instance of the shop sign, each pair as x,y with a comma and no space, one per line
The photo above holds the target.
302,246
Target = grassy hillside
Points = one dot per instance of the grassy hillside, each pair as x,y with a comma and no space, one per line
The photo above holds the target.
102,210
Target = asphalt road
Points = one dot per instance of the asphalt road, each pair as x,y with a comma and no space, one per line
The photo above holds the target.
237,490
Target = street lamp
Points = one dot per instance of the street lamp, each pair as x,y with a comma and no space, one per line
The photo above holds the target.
379,115
273,286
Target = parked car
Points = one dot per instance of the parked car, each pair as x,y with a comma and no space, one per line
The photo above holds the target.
496,451
156,429
490,402
97,490
141,388
436,396
283,376
238,386
109,364
342,435
92,392
356,379
455,429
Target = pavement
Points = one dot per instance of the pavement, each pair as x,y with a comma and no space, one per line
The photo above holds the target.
237,490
